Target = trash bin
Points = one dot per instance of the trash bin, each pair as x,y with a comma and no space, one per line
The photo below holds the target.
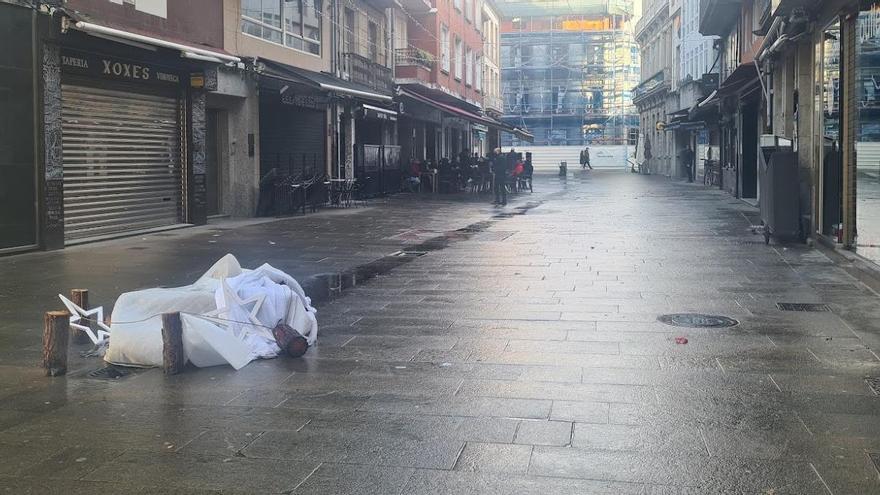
780,190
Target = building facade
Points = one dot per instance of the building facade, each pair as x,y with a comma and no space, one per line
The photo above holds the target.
439,71
119,141
657,94
149,115
698,66
491,73
568,71
797,83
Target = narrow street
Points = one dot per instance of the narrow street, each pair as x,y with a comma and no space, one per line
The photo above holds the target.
511,351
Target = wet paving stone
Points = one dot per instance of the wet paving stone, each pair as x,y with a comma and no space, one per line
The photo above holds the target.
470,349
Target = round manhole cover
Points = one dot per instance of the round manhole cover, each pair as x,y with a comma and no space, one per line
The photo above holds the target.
696,320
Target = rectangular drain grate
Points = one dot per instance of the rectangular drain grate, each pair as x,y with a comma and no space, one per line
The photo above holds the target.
875,458
809,307
873,384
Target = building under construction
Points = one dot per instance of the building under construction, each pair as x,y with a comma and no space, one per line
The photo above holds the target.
568,69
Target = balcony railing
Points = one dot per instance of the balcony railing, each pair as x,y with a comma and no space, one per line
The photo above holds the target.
414,56
364,71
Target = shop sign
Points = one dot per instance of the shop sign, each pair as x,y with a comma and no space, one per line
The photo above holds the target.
76,62
369,113
305,101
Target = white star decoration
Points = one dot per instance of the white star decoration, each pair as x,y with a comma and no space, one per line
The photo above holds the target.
77,313
231,300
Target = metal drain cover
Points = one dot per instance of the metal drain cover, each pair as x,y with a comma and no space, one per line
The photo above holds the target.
873,384
108,373
808,307
697,320
875,458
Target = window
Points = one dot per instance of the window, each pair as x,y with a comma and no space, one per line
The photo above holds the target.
478,14
468,10
459,58
469,67
374,42
349,30
444,48
478,73
292,23
457,4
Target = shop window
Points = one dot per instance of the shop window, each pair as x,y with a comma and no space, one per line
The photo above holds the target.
293,23
867,132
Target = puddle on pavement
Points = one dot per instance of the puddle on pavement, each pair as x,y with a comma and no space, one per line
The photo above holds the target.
325,287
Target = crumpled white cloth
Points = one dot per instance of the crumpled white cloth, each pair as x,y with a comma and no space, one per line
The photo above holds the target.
136,322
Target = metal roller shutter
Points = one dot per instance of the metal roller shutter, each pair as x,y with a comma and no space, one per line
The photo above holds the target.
292,139
122,166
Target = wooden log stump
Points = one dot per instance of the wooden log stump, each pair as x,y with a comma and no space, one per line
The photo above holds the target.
173,359
56,334
80,297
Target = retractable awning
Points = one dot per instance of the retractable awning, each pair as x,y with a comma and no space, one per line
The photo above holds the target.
186,51
450,109
321,81
741,78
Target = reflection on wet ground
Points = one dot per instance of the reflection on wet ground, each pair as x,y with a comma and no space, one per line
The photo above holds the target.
470,349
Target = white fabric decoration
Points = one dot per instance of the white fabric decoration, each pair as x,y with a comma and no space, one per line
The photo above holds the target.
226,315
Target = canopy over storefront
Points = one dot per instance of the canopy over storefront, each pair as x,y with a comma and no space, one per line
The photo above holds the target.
466,115
319,80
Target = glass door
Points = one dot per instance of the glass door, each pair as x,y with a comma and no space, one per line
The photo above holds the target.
867,133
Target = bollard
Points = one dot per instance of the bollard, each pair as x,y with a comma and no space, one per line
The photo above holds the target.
80,297
56,334
173,359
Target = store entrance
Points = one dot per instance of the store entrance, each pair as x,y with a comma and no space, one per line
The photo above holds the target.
867,135
830,150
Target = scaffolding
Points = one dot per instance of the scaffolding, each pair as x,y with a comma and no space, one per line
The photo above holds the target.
568,69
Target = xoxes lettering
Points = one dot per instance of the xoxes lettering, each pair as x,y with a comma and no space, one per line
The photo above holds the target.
130,71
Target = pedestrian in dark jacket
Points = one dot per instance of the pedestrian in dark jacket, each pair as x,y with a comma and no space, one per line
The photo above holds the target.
687,157
585,158
499,171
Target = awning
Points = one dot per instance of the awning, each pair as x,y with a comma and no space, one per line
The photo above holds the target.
450,109
186,51
470,116
516,131
320,80
524,135
379,113
741,78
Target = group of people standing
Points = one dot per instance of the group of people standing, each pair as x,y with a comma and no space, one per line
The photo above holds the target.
454,175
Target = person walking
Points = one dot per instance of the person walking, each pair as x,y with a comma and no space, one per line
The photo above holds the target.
585,161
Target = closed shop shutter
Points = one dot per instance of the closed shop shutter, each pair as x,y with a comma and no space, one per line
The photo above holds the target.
122,161
291,139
